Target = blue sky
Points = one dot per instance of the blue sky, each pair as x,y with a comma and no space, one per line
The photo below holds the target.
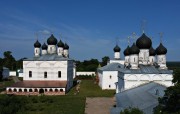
89,27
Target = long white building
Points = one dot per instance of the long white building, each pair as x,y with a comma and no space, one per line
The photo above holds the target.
50,71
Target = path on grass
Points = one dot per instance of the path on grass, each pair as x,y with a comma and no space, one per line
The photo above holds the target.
99,105
15,78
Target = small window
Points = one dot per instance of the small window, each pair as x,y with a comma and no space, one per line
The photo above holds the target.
152,60
110,76
36,50
59,74
45,74
109,86
50,48
134,59
30,74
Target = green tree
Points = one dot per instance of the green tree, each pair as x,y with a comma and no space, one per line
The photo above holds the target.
9,61
105,59
170,103
131,111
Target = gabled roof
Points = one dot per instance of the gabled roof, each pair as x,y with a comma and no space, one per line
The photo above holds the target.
112,67
145,97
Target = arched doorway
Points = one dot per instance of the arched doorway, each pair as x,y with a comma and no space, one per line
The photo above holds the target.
41,91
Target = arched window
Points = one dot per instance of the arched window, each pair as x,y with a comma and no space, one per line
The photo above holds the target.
59,74
20,90
152,60
45,90
30,90
50,90
61,90
45,74
10,90
35,90
110,76
56,90
30,74
36,50
134,59
109,86
15,90
25,90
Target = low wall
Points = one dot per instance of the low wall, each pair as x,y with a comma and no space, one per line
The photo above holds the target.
85,73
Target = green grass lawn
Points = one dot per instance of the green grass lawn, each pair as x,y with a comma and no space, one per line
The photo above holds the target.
89,89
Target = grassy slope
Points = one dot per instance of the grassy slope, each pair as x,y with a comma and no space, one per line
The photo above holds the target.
89,89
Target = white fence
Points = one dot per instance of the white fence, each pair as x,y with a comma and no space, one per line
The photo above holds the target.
85,73
12,73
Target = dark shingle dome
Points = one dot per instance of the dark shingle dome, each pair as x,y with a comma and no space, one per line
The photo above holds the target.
161,50
152,52
44,47
37,44
52,40
66,46
60,44
143,42
126,51
134,49
117,48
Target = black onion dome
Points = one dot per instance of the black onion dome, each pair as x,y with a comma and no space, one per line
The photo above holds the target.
126,51
66,46
152,52
161,50
52,40
44,47
117,48
37,44
60,44
144,42
134,49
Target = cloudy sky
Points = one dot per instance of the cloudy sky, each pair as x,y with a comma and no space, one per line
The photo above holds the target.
90,27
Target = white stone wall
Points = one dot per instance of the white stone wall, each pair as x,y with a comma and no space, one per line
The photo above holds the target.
37,52
134,60
85,73
100,76
144,56
116,55
52,49
39,67
161,60
12,73
133,80
126,60
60,51
66,53
152,59
108,79
44,52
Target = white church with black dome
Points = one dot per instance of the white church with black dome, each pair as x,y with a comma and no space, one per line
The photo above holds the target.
142,64
50,71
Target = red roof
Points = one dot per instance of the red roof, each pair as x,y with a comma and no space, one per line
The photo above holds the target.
36,84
